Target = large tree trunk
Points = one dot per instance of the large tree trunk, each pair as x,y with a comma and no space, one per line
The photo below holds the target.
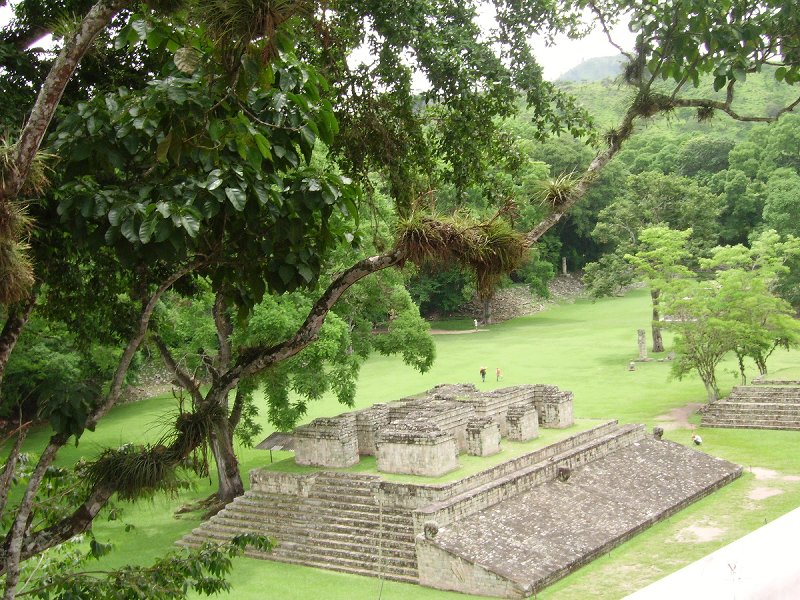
75,47
658,342
230,480
487,311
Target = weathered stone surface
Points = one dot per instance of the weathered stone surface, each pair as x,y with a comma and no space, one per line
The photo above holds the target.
416,447
327,442
756,407
506,532
540,536
483,436
523,422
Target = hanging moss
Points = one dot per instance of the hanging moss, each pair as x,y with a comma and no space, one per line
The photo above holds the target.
705,113
490,248
556,190
16,272
134,471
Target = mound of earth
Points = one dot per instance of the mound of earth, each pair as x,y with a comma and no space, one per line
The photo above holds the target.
518,301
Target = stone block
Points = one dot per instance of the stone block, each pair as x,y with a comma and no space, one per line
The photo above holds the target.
416,447
327,442
368,423
483,436
523,422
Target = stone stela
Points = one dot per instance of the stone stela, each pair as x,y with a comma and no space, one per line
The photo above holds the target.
424,435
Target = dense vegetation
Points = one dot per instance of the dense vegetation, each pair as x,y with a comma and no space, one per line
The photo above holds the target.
239,200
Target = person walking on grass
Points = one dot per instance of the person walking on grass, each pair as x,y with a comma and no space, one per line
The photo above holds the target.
499,373
483,374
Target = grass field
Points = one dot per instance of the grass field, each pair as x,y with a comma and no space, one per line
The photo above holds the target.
584,347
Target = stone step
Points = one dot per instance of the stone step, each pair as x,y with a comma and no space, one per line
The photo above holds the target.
763,397
406,575
373,565
718,425
343,540
350,549
364,560
757,415
321,489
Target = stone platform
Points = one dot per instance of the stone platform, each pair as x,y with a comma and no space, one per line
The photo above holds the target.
506,531
756,407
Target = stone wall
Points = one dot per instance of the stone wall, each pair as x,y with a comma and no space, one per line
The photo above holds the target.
327,442
523,422
416,447
442,570
338,442
553,405
368,423
483,436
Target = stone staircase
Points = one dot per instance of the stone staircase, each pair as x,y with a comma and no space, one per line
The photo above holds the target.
340,525
756,407
506,531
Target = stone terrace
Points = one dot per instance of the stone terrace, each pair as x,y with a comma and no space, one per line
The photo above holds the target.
518,546
506,531
756,407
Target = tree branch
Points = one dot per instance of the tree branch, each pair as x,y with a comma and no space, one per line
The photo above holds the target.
236,411
11,465
50,95
15,539
134,343
224,331
727,109
186,379
255,360
18,316
602,20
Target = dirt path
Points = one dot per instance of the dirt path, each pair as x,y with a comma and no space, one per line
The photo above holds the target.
455,331
678,418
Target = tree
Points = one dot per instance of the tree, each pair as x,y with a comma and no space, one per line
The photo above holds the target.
470,89
661,259
651,199
196,161
782,201
735,311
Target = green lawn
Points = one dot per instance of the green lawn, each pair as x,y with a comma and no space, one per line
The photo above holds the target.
584,347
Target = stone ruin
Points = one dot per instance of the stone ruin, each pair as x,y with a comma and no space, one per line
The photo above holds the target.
506,531
425,434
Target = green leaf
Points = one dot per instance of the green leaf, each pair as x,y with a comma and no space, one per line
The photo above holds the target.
263,146
216,128
190,224
163,148
286,273
305,272
115,216
128,229
237,198
147,228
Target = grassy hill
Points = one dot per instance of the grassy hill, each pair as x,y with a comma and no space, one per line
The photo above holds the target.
584,347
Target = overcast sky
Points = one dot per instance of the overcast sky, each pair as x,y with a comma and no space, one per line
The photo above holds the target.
555,59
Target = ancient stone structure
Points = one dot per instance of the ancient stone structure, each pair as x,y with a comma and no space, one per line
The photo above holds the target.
642,345
416,447
424,434
523,422
327,442
483,436
507,531
756,407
